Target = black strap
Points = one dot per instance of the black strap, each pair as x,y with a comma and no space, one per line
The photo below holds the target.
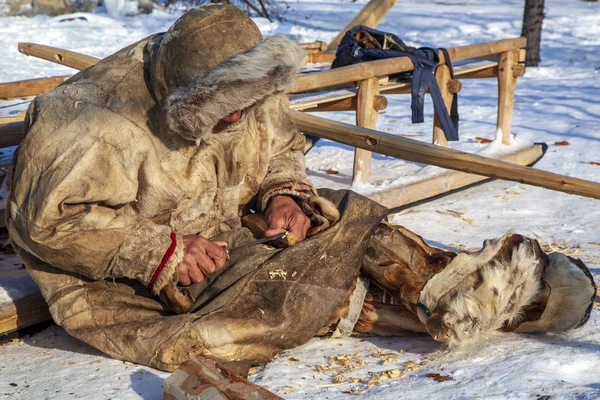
425,61
454,107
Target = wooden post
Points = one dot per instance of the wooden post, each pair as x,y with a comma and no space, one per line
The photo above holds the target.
369,16
507,83
442,76
366,116
425,153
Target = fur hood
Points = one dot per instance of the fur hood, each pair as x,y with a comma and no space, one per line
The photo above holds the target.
236,84
477,294
572,292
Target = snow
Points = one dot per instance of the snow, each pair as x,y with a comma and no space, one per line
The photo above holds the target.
559,101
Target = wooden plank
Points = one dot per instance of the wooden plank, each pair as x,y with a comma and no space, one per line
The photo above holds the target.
481,69
64,57
442,76
314,47
21,303
370,15
13,118
349,104
507,84
485,49
319,58
30,87
311,100
366,116
445,182
319,80
379,68
453,85
414,150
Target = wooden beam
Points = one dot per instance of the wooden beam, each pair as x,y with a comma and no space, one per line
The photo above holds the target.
453,85
352,73
379,68
487,71
413,150
25,306
507,84
314,47
24,312
319,58
370,15
442,76
30,87
485,49
447,181
366,116
348,104
13,118
312,100
64,57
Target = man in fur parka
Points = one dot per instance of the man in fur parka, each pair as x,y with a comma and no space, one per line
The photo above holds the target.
135,174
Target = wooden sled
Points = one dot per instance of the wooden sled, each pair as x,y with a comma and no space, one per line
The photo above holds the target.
503,61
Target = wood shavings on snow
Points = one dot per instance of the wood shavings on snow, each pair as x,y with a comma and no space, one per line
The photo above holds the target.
565,246
456,214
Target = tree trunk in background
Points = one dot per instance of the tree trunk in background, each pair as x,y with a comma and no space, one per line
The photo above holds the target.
532,30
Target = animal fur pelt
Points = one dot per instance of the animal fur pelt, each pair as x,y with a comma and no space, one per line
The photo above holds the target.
477,294
572,292
236,84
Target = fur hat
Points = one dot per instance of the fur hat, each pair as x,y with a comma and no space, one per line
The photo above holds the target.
213,62
572,292
478,293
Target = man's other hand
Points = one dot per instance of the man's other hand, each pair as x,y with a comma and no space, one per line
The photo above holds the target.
201,257
284,214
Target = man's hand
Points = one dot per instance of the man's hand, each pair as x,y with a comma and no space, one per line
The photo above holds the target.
284,214
201,257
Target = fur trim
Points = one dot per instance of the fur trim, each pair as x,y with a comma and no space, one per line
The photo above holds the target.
572,292
299,190
322,213
477,294
236,84
168,275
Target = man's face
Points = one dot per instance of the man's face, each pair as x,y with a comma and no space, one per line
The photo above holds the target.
227,120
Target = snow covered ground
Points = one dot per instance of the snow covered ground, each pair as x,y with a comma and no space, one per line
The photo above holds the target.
559,101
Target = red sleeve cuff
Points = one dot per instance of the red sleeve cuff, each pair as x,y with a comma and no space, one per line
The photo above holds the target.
164,260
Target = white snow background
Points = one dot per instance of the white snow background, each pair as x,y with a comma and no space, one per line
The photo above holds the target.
559,101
